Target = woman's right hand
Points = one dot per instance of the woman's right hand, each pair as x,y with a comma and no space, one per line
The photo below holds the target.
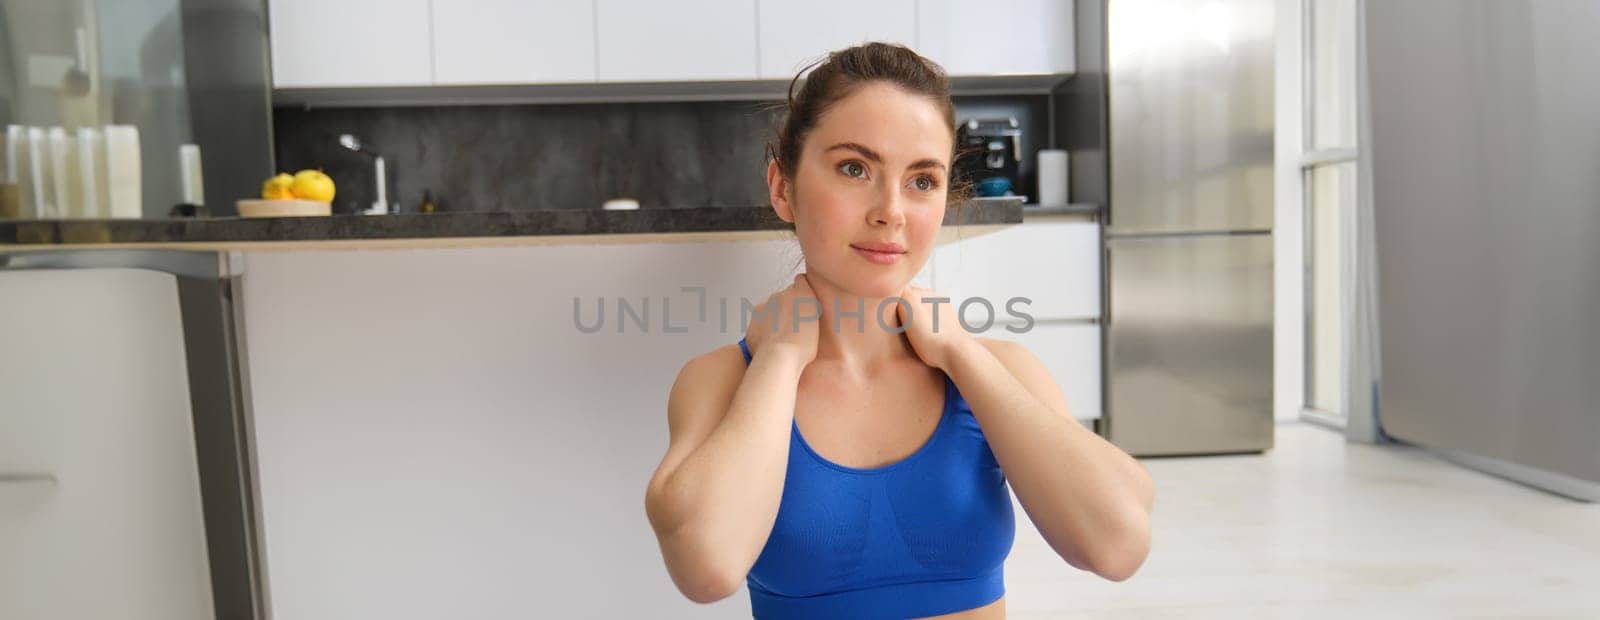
774,324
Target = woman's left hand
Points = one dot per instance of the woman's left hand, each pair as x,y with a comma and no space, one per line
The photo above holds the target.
936,347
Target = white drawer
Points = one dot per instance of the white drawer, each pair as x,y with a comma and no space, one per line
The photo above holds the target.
1054,264
1072,353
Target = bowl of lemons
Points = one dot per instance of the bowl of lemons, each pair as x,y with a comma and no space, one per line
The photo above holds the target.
307,192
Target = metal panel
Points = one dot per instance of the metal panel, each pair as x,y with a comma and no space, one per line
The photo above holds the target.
1078,107
208,297
1484,152
230,93
1191,99
1189,344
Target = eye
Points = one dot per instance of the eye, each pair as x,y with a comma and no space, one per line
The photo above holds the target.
853,169
925,183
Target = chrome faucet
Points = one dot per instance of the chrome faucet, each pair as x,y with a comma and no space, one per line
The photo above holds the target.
381,205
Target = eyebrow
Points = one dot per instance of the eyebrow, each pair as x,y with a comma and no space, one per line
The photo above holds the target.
874,157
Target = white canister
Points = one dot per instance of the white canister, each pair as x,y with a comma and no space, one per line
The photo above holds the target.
40,184
92,173
189,175
124,174
1052,177
16,147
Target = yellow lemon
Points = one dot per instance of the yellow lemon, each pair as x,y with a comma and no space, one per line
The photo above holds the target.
313,185
278,188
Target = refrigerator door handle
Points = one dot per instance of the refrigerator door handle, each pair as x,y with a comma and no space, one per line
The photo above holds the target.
1105,289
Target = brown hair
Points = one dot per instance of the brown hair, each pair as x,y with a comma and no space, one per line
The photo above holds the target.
843,72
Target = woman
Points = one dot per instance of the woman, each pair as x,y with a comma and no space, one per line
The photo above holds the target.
856,465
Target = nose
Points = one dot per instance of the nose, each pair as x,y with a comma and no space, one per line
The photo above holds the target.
889,209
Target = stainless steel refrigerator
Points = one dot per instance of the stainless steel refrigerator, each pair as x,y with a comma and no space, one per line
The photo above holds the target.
1188,228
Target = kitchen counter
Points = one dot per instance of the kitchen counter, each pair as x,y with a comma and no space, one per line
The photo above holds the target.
448,229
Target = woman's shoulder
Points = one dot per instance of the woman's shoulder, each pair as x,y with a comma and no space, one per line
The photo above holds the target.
721,360
1014,355
711,374
700,395
1029,370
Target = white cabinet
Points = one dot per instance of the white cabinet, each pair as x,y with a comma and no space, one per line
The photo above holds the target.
692,40
331,43
100,513
1000,37
513,41
794,33
1071,352
374,43
1056,264
437,471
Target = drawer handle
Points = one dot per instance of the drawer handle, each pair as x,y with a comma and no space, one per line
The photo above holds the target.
27,478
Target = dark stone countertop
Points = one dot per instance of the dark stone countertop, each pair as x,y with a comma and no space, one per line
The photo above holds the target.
1074,209
461,227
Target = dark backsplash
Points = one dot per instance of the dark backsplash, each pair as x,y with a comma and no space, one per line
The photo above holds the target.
566,156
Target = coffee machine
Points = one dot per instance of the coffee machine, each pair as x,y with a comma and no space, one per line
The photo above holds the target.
989,155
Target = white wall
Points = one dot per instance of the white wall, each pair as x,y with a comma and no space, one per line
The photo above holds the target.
1289,351
93,391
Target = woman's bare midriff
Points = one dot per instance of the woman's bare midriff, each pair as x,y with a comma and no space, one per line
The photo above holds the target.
992,611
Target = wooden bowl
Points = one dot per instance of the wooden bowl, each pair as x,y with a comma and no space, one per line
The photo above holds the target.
283,208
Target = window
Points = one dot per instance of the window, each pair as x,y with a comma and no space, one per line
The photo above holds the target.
1328,182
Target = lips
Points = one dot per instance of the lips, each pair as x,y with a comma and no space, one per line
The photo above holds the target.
887,248
879,253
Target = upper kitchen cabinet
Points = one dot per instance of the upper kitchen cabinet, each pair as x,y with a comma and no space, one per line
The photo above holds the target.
997,37
513,42
794,33
332,43
691,40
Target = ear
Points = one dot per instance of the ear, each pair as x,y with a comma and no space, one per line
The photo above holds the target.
778,191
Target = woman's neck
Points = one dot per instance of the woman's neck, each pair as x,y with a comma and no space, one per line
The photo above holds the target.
854,334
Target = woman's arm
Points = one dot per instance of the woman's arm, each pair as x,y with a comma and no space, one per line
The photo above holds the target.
1090,500
714,498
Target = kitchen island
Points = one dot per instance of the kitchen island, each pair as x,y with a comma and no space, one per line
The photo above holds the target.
374,399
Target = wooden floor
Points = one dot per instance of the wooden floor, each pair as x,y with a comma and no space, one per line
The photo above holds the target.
1319,528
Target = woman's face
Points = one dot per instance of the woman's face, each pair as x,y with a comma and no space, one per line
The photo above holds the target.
868,196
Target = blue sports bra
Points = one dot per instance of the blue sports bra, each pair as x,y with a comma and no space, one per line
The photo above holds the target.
924,536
